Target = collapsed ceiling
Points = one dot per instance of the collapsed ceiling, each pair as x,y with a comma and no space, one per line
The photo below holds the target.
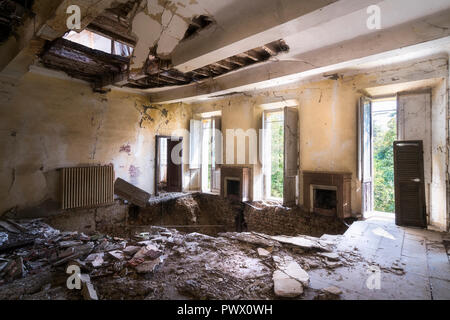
12,14
117,23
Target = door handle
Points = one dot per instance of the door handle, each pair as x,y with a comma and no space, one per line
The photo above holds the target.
415,180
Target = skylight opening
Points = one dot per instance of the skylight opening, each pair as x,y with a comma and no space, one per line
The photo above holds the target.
99,42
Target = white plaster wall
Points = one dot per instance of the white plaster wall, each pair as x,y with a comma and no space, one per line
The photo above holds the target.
438,203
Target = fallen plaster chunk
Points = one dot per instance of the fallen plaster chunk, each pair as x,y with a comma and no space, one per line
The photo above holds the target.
303,242
67,244
332,256
131,250
285,286
96,259
8,227
148,266
88,290
148,252
296,272
263,252
334,291
251,238
3,238
117,254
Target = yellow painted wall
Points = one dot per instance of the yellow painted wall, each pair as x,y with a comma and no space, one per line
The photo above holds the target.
48,123
328,140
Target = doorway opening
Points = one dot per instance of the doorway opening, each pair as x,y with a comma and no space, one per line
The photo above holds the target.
384,124
274,154
168,164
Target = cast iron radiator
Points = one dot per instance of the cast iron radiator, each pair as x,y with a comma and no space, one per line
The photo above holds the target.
87,186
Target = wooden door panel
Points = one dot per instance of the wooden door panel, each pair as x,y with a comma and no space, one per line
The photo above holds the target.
410,207
174,171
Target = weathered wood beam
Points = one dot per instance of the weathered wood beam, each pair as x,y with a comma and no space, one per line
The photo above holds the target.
269,50
250,55
200,73
222,65
169,75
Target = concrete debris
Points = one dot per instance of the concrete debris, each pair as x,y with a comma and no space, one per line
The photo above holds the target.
119,255
332,290
285,286
332,256
96,259
290,267
251,238
160,264
304,242
8,227
150,251
329,293
131,250
263,252
67,244
3,238
148,266
88,290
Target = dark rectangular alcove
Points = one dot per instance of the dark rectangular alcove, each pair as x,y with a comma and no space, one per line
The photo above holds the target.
325,201
233,187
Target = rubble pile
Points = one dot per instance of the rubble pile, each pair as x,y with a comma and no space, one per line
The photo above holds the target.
36,262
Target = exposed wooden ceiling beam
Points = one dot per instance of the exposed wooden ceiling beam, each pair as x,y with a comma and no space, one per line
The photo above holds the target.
250,55
269,50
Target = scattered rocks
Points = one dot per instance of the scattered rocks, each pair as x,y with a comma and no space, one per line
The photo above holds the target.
332,291
304,242
332,256
329,293
285,286
160,264
263,253
252,238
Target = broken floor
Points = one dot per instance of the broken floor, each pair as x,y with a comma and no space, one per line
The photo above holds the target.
166,264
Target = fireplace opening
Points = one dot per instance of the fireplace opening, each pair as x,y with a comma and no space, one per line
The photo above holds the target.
325,202
233,187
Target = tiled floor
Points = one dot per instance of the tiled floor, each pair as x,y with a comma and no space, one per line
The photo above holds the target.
398,263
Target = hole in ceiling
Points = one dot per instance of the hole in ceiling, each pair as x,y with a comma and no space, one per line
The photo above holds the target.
198,23
99,42
12,15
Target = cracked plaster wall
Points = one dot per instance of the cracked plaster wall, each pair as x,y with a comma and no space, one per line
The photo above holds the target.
328,123
47,123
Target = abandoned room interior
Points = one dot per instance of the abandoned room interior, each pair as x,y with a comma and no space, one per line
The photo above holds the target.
224,150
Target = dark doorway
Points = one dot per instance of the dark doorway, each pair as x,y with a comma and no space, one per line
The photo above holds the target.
168,164
410,206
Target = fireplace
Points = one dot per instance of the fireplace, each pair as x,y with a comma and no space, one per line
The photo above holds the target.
235,184
232,187
327,193
324,200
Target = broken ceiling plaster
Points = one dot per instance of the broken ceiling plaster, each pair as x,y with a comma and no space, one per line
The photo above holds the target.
161,25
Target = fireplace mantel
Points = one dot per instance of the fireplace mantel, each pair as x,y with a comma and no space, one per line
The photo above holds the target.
340,181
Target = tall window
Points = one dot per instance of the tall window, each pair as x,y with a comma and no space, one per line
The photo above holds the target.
274,153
